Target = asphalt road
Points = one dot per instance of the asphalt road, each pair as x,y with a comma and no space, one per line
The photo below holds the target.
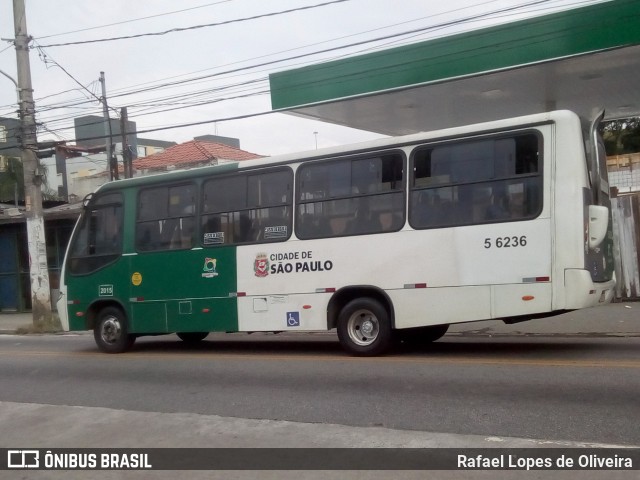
576,389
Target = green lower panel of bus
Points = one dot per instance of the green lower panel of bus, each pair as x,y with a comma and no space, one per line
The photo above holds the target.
160,292
188,315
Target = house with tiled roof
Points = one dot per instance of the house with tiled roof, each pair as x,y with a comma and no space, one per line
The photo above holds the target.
195,153
192,154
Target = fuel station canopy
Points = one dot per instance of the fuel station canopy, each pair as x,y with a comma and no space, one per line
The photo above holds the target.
583,59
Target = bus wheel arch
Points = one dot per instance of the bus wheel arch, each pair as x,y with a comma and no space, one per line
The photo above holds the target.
363,317
347,294
111,329
91,315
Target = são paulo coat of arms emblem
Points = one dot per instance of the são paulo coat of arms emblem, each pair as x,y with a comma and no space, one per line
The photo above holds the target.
261,265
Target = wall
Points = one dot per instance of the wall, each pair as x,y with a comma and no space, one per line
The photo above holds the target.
624,172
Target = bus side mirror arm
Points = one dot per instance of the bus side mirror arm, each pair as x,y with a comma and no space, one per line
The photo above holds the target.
598,224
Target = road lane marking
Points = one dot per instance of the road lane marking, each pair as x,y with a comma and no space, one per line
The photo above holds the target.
435,360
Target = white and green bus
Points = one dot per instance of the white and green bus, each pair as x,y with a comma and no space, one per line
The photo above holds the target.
393,238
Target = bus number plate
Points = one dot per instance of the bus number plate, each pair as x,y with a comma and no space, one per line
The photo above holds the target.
105,291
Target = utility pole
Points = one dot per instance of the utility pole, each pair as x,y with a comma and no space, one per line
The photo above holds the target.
126,153
111,160
38,268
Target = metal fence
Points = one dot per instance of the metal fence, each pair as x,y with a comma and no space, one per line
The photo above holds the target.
626,235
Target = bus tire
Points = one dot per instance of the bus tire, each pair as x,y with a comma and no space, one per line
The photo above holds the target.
422,335
192,337
111,331
364,327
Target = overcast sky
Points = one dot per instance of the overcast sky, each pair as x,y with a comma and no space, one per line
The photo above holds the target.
133,65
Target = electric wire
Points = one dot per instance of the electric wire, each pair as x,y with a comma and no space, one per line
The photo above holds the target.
195,27
536,2
132,20
418,32
198,78
269,63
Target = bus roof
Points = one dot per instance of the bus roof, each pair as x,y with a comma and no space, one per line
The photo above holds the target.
582,59
379,144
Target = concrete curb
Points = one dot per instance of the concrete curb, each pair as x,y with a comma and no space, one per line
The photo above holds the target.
613,320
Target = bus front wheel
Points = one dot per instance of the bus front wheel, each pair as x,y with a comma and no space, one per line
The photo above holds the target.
364,327
111,331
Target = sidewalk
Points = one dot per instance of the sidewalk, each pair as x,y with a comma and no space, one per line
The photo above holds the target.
616,319
10,322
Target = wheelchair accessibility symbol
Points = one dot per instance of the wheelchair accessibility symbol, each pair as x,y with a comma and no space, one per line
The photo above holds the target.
293,319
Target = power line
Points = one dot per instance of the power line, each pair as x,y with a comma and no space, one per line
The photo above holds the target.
47,58
327,50
6,48
132,20
418,31
458,21
218,74
195,27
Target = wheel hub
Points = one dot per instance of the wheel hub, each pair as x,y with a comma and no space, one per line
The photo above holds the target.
363,327
367,327
111,330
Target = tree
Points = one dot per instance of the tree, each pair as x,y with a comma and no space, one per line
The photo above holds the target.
12,177
622,136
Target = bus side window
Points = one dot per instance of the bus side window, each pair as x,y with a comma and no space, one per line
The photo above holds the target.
147,235
498,208
252,207
364,221
169,233
275,225
463,207
486,180
165,218
245,230
183,232
349,196
98,241
429,210
314,226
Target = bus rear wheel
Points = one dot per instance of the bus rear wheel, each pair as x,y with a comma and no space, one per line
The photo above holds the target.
364,327
192,337
111,332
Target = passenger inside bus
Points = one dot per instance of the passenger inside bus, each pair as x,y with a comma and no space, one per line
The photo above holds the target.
245,230
499,206
364,221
